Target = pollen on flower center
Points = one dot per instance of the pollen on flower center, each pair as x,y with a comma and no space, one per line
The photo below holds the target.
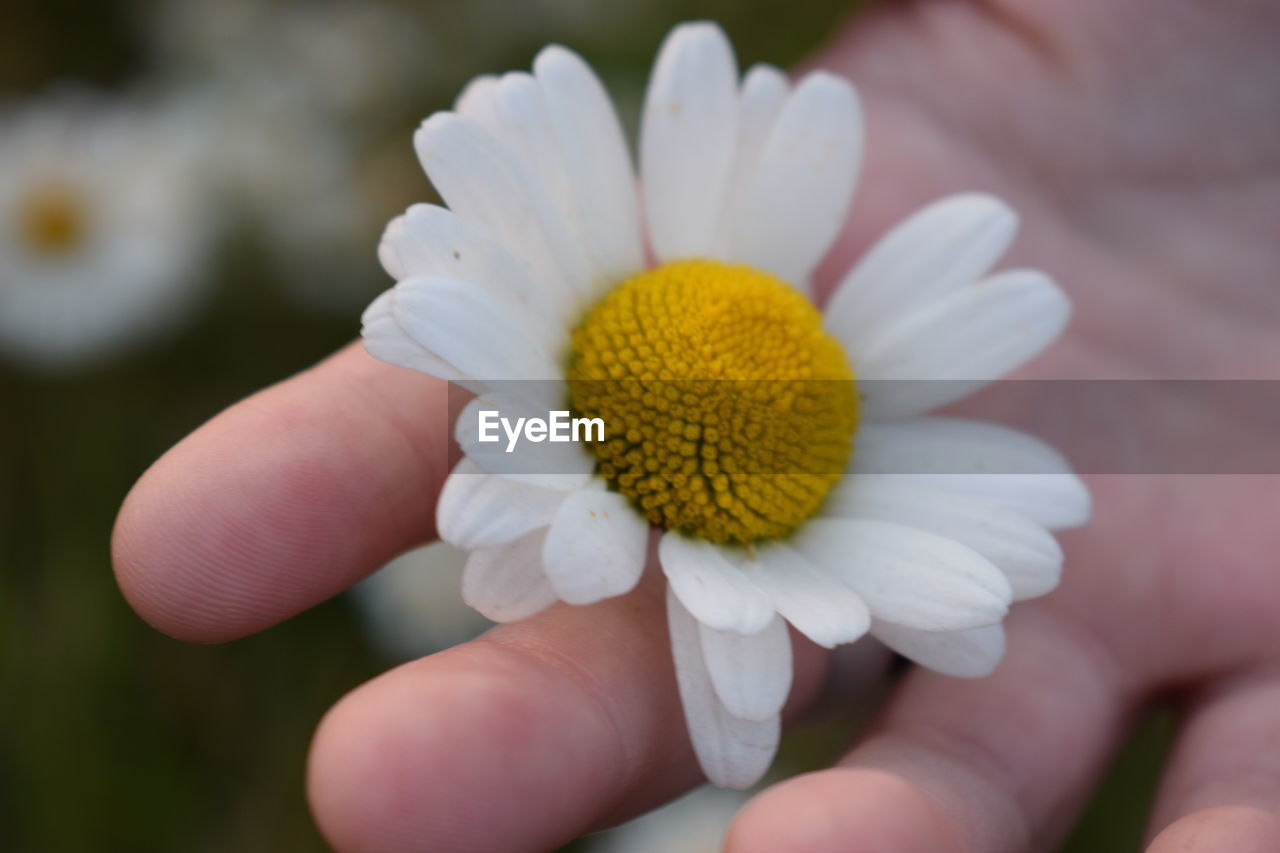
729,412
51,219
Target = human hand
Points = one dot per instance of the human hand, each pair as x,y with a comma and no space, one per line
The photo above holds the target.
1155,222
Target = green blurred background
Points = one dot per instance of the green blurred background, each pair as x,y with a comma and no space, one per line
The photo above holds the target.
112,736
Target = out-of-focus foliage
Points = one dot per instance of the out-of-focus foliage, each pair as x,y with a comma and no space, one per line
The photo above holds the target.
112,736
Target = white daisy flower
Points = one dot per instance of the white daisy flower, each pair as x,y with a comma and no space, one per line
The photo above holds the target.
822,510
103,227
413,605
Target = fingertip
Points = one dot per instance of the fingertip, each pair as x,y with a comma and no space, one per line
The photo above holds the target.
1239,829
232,529
415,759
852,810
159,565
283,500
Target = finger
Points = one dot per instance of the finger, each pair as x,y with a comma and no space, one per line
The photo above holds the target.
284,499
846,809
999,764
1238,829
1227,754
451,753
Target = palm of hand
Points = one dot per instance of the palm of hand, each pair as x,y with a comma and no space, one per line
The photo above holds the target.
1154,218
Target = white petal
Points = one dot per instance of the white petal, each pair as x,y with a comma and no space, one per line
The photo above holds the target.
797,199
819,605
507,584
733,752
480,510
687,140
478,101
388,253
1028,554
961,343
483,182
750,674
714,590
986,460
474,331
430,240
524,123
764,92
561,465
596,548
908,576
596,160
944,246
385,340
528,136
974,653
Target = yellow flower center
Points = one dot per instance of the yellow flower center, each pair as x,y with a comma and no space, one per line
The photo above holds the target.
52,220
729,412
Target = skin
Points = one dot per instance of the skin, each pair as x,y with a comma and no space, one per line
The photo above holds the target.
1141,142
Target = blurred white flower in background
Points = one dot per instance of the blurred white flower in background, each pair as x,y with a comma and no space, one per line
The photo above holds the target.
295,181
105,226
298,95
354,57
202,33
413,606
493,22
695,823
345,59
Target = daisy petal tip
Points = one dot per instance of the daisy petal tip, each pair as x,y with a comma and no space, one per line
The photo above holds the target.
415,212
766,73
1039,280
1086,504
705,40
437,120
477,510
733,752
996,220
911,577
703,29
738,777
751,675
971,670
595,548
477,88
379,308
1038,291
981,217
390,259
382,337
1075,504
970,654
395,227
432,126
557,59
1058,293
371,349
718,595
980,201
832,86
507,584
